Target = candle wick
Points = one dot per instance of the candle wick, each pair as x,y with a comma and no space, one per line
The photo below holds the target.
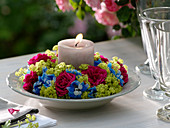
76,44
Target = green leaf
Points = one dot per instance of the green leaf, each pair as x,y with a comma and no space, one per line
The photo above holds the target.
116,27
74,4
7,124
133,2
124,14
80,13
58,8
89,10
76,1
116,37
122,2
81,2
125,32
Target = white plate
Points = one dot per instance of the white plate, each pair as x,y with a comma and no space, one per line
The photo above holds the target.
14,83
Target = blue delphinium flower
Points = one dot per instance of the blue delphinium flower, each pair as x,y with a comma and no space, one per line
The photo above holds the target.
74,71
76,88
45,80
97,62
37,86
110,68
118,75
28,71
92,90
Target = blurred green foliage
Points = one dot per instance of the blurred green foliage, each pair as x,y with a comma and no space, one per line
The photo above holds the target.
28,26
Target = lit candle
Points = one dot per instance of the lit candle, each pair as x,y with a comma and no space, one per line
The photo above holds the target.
76,51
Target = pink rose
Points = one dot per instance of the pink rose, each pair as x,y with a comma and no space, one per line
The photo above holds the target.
94,4
106,18
111,5
96,75
29,80
63,81
64,5
39,57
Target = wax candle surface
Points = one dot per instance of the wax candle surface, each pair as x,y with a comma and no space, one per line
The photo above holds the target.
82,54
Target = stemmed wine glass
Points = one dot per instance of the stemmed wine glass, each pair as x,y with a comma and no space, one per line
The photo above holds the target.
163,64
150,12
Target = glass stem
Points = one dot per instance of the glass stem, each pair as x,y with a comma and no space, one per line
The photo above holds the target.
156,86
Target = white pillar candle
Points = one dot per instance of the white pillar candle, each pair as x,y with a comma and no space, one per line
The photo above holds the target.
71,52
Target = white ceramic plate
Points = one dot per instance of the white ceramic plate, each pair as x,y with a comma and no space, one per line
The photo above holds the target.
14,83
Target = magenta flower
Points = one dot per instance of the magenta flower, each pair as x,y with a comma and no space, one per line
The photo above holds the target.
104,59
96,75
39,57
94,4
111,5
63,81
106,18
29,80
64,5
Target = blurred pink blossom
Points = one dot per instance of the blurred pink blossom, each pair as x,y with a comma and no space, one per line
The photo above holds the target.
94,4
111,5
130,5
64,5
106,18
80,26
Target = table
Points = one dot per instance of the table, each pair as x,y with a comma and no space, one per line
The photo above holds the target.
132,110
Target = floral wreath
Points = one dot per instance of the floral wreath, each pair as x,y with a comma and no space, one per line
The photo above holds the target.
46,77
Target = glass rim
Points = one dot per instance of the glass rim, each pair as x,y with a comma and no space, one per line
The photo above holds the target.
153,19
157,26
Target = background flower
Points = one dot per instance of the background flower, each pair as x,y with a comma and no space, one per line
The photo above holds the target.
106,18
111,5
110,13
64,5
94,4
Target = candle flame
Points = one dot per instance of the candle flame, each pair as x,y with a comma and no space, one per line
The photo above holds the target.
79,38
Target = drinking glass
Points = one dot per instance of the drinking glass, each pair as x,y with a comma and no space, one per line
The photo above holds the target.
142,5
143,68
163,57
148,18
